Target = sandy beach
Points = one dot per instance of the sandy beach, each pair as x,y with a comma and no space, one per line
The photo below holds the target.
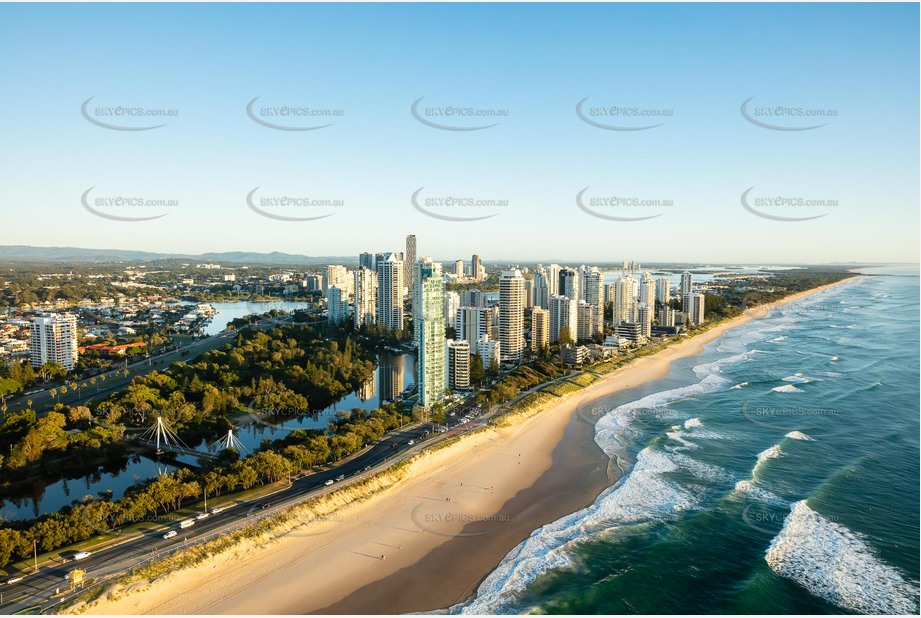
427,542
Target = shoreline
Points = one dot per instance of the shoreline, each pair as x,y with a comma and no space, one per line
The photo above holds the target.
456,515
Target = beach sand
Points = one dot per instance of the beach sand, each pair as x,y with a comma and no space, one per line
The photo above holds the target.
427,542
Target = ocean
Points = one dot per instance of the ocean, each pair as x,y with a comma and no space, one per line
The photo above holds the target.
776,472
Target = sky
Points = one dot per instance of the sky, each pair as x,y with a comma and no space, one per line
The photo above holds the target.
674,172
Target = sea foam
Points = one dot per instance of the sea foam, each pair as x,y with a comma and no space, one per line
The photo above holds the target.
834,563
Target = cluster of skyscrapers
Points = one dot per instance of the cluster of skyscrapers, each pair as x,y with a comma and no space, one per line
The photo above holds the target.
567,305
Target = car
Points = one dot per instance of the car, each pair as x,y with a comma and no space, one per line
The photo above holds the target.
341,477
265,505
367,468
170,534
217,510
411,442
329,482
15,579
80,555
202,515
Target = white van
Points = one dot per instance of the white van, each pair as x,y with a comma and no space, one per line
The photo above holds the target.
80,555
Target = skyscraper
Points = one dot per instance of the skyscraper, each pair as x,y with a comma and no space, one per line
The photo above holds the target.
390,292
458,364
663,289
569,283
563,316
475,267
585,321
553,279
647,290
53,339
696,302
365,296
429,320
459,269
410,259
685,290
339,276
540,328
471,323
452,304
511,314
473,298
644,315
594,295
541,288
366,260
624,304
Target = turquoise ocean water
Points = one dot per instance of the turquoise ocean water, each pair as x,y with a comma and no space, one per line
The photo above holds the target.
777,472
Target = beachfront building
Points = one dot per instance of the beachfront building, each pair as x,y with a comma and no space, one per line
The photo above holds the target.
667,317
540,328
472,323
458,364
696,301
53,339
563,317
585,321
663,290
624,303
511,315
644,315
429,330
685,290
593,280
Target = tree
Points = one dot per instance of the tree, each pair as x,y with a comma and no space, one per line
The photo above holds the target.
565,336
477,373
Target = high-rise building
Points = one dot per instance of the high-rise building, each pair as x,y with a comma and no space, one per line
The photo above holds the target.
429,320
313,283
585,320
511,314
594,295
365,296
459,269
488,351
666,316
458,364
540,328
553,280
409,259
696,302
647,290
644,315
452,304
337,305
475,267
563,315
685,290
624,303
663,290
569,283
391,376
366,260
473,298
472,323
609,293
541,289
528,293
340,277
390,292
53,339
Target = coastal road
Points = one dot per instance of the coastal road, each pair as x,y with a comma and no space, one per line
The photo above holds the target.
37,588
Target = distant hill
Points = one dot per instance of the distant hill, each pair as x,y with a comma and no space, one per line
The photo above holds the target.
76,254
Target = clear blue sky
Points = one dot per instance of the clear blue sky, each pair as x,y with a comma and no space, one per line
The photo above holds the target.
537,61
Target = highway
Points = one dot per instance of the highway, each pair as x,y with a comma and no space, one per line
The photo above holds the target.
37,589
